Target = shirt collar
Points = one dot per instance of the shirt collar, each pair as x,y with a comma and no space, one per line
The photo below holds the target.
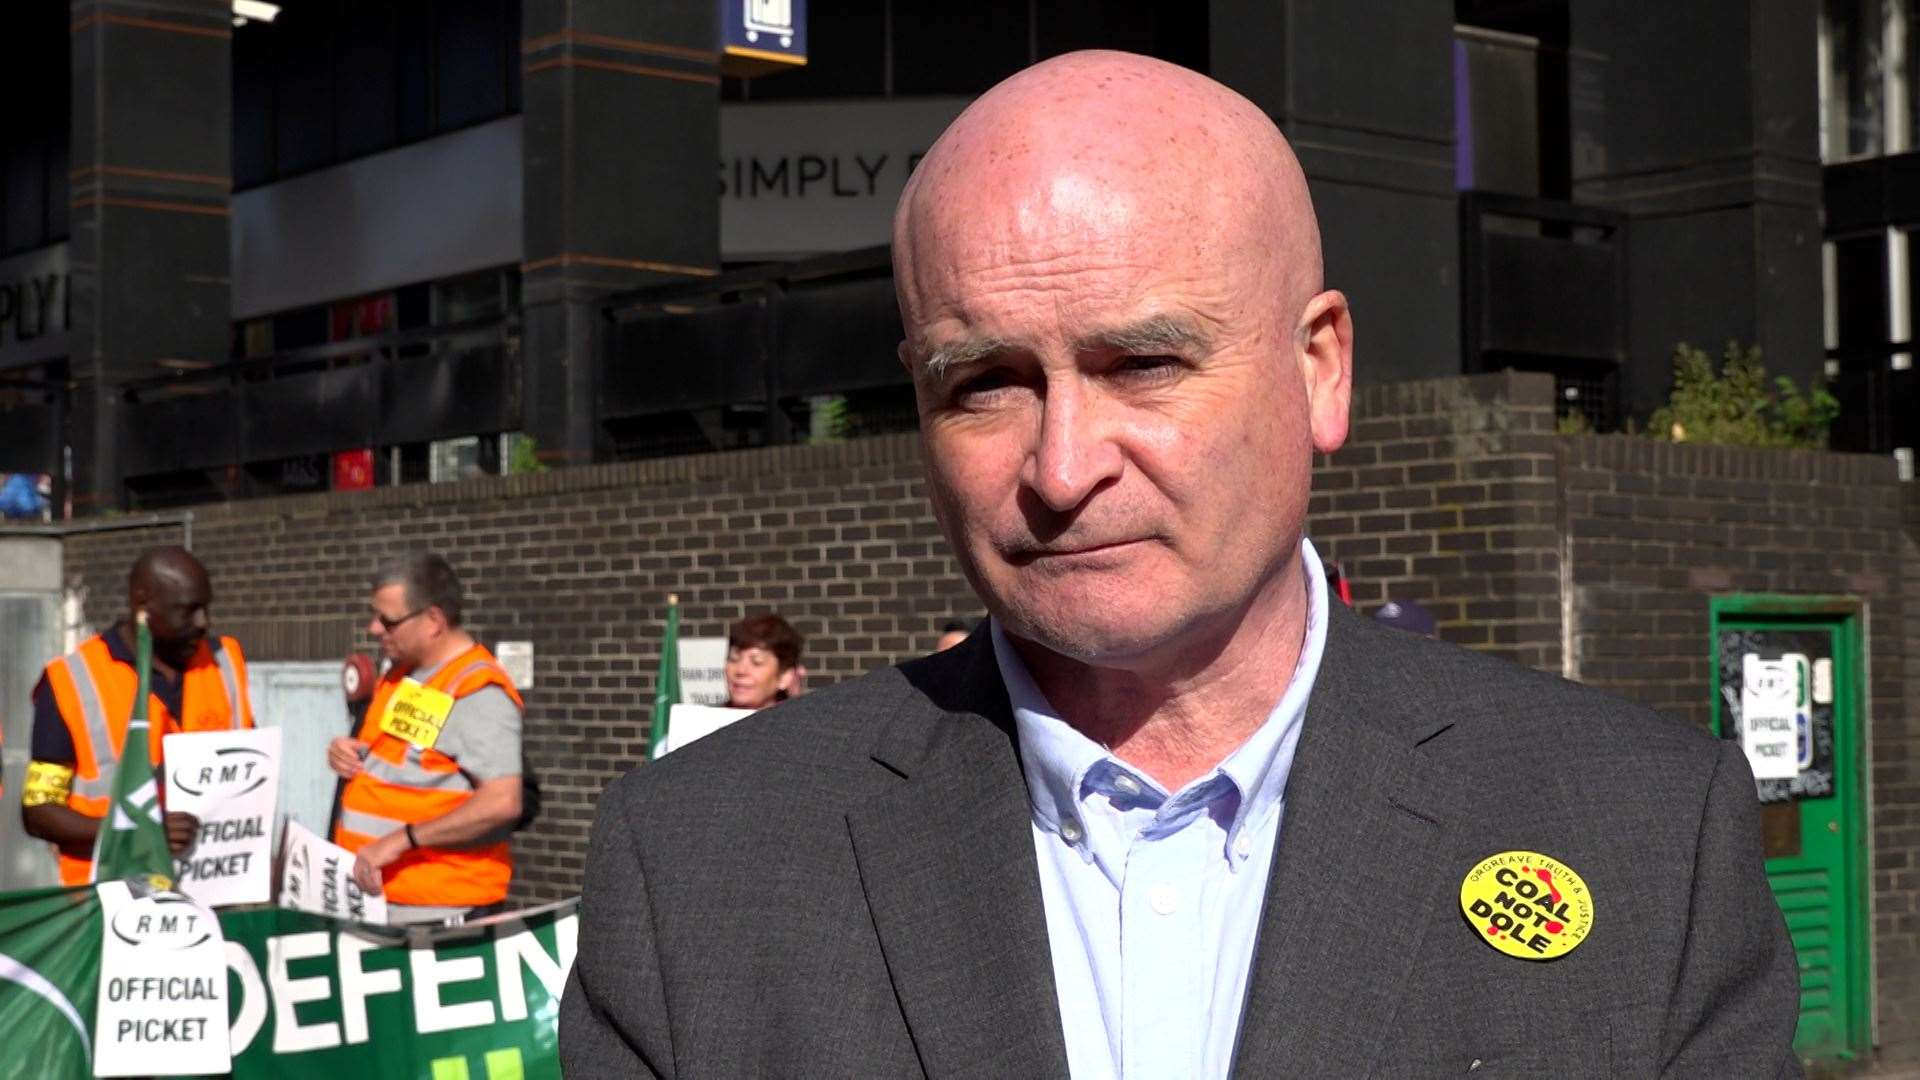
1056,758
124,653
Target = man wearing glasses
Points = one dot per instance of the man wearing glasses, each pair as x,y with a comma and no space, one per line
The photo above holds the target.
433,783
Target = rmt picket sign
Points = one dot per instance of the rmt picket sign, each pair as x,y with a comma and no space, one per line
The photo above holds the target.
162,1009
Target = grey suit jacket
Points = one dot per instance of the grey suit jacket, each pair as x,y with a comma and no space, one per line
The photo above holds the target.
846,886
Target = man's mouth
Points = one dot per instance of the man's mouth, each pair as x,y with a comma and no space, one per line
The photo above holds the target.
1064,553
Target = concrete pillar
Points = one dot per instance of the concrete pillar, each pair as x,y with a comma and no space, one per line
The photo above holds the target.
622,114
1707,135
152,132
1365,94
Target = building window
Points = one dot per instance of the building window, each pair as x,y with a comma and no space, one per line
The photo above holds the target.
326,83
1514,103
1866,98
34,155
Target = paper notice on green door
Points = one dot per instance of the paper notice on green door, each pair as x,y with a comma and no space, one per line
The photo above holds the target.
1773,711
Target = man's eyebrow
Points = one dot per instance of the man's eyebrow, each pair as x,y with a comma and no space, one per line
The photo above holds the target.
942,359
1154,334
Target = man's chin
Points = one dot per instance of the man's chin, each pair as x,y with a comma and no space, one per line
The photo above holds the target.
175,661
1097,638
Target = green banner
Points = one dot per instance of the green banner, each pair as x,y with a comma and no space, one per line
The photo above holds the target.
328,999
49,976
310,996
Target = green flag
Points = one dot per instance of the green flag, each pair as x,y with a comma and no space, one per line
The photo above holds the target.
666,685
132,841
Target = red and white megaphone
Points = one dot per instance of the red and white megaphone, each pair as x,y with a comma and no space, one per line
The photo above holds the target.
356,678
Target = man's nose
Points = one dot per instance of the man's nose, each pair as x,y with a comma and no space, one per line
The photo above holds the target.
373,627
1074,454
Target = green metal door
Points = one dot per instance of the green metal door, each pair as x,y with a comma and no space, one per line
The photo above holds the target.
1788,687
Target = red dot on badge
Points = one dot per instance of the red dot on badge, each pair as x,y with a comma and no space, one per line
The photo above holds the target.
1554,927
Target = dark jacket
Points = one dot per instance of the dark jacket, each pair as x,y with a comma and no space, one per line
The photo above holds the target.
846,886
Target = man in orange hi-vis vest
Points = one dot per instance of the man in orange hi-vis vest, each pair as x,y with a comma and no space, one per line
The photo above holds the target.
84,699
433,775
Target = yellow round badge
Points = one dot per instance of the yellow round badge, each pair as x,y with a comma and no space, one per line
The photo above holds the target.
1527,905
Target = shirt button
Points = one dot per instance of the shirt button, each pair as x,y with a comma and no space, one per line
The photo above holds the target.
1243,846
1126,784
1164,898
1069,830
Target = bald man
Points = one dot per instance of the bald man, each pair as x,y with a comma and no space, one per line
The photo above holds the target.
1173,813
84,700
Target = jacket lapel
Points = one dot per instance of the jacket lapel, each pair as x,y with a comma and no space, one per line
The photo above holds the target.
1364,854
947,862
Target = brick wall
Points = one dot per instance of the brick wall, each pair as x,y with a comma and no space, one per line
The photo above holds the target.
580,562
1443,496
1652,530
1896,816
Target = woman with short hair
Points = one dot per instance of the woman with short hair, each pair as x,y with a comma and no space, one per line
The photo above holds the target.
763,662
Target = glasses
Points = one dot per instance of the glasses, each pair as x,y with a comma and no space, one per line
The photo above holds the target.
391,624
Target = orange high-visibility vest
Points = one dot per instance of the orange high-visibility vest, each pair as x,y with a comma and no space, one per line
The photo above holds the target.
400,784
94,693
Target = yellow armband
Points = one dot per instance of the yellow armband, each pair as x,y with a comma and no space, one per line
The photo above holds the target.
47,783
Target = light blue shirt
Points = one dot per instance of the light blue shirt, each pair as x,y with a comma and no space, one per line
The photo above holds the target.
1153,900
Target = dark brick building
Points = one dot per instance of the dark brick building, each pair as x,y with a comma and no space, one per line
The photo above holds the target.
370,242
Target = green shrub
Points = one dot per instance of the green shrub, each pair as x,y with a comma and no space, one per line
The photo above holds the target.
1738,406
523,456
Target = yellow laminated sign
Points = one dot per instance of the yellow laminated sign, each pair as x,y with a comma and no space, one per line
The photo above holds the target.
47,784
416,713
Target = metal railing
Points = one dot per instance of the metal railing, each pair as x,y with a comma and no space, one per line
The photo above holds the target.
1544,287
776,353
378,390
1879,403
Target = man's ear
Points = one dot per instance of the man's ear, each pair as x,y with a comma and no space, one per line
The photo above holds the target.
1326,366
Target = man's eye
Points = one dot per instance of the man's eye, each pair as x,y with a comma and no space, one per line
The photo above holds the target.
1146,365
981,384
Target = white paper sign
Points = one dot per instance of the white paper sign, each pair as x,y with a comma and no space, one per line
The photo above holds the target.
1773,712
230,780
517,658
162,1009
687,723
703,670
317,875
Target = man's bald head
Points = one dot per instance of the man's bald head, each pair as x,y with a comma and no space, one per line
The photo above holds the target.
1109,276
1105,143
173,588
156,566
